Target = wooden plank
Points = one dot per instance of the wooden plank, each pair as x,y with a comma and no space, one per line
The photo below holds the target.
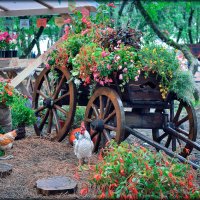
32,66
14,63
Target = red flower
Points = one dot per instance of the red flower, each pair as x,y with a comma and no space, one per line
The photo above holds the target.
112,5
84,20
84,191
103,195
170,175
97,177
147,167
122,172
100,157
67,21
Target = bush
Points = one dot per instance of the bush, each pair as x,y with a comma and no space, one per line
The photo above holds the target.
22,113
133,172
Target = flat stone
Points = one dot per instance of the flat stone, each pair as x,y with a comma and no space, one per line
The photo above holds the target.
55,185
5,169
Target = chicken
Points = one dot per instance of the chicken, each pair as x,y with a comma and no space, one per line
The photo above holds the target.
6,140
83,145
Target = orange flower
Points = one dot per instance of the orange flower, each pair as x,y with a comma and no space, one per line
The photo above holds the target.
147,167
102,195
9,93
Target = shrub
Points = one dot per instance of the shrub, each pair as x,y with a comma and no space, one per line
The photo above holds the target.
133,172
22,113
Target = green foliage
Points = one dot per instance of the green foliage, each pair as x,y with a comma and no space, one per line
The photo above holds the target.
79,116
21,112
133,172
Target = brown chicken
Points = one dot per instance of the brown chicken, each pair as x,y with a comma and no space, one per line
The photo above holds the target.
6,140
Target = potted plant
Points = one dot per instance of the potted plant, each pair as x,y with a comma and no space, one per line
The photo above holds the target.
7,94
22,115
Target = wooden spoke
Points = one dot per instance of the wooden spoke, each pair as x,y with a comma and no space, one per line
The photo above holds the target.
110,116
168,141
61,97
58,88
101,106
88,120
106,135
60,109
97,142
44,119
96,112
47,85
93,134
162,137
180,130
50,121
176,117
42,94
173,143
112,128
55,116
41,108
182,121
106,108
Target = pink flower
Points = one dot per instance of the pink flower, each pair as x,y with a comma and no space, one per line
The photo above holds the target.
112,5
120,67
104,54
48,66
101,83
67,21
108,66
84,20
85,32
119,42
120,77
136,78
125,70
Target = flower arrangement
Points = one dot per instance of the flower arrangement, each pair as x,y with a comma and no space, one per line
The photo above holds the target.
97,54
7,92
133,172
7,41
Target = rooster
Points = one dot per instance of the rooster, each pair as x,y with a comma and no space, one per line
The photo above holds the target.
6,140
83,145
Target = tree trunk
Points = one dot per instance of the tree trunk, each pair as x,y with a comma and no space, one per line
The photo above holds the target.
190,26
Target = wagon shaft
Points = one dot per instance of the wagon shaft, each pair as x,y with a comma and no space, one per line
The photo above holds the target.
158,146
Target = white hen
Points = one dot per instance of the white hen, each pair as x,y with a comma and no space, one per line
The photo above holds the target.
83,145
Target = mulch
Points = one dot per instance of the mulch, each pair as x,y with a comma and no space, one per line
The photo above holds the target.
36,158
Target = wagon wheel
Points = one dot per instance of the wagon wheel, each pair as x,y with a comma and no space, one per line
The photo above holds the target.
105,117
54,101
182,118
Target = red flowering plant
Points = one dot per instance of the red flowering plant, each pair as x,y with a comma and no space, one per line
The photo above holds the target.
7,92
7,41
133,172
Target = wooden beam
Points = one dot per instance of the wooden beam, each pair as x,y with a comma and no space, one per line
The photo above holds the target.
44,4
3,8
32,66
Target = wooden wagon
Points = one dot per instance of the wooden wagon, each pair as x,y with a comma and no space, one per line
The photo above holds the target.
112,114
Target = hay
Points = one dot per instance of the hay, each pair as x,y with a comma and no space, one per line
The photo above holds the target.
36,158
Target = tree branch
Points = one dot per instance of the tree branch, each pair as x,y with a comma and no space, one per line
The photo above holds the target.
190,26
193,62
121,11
34,41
